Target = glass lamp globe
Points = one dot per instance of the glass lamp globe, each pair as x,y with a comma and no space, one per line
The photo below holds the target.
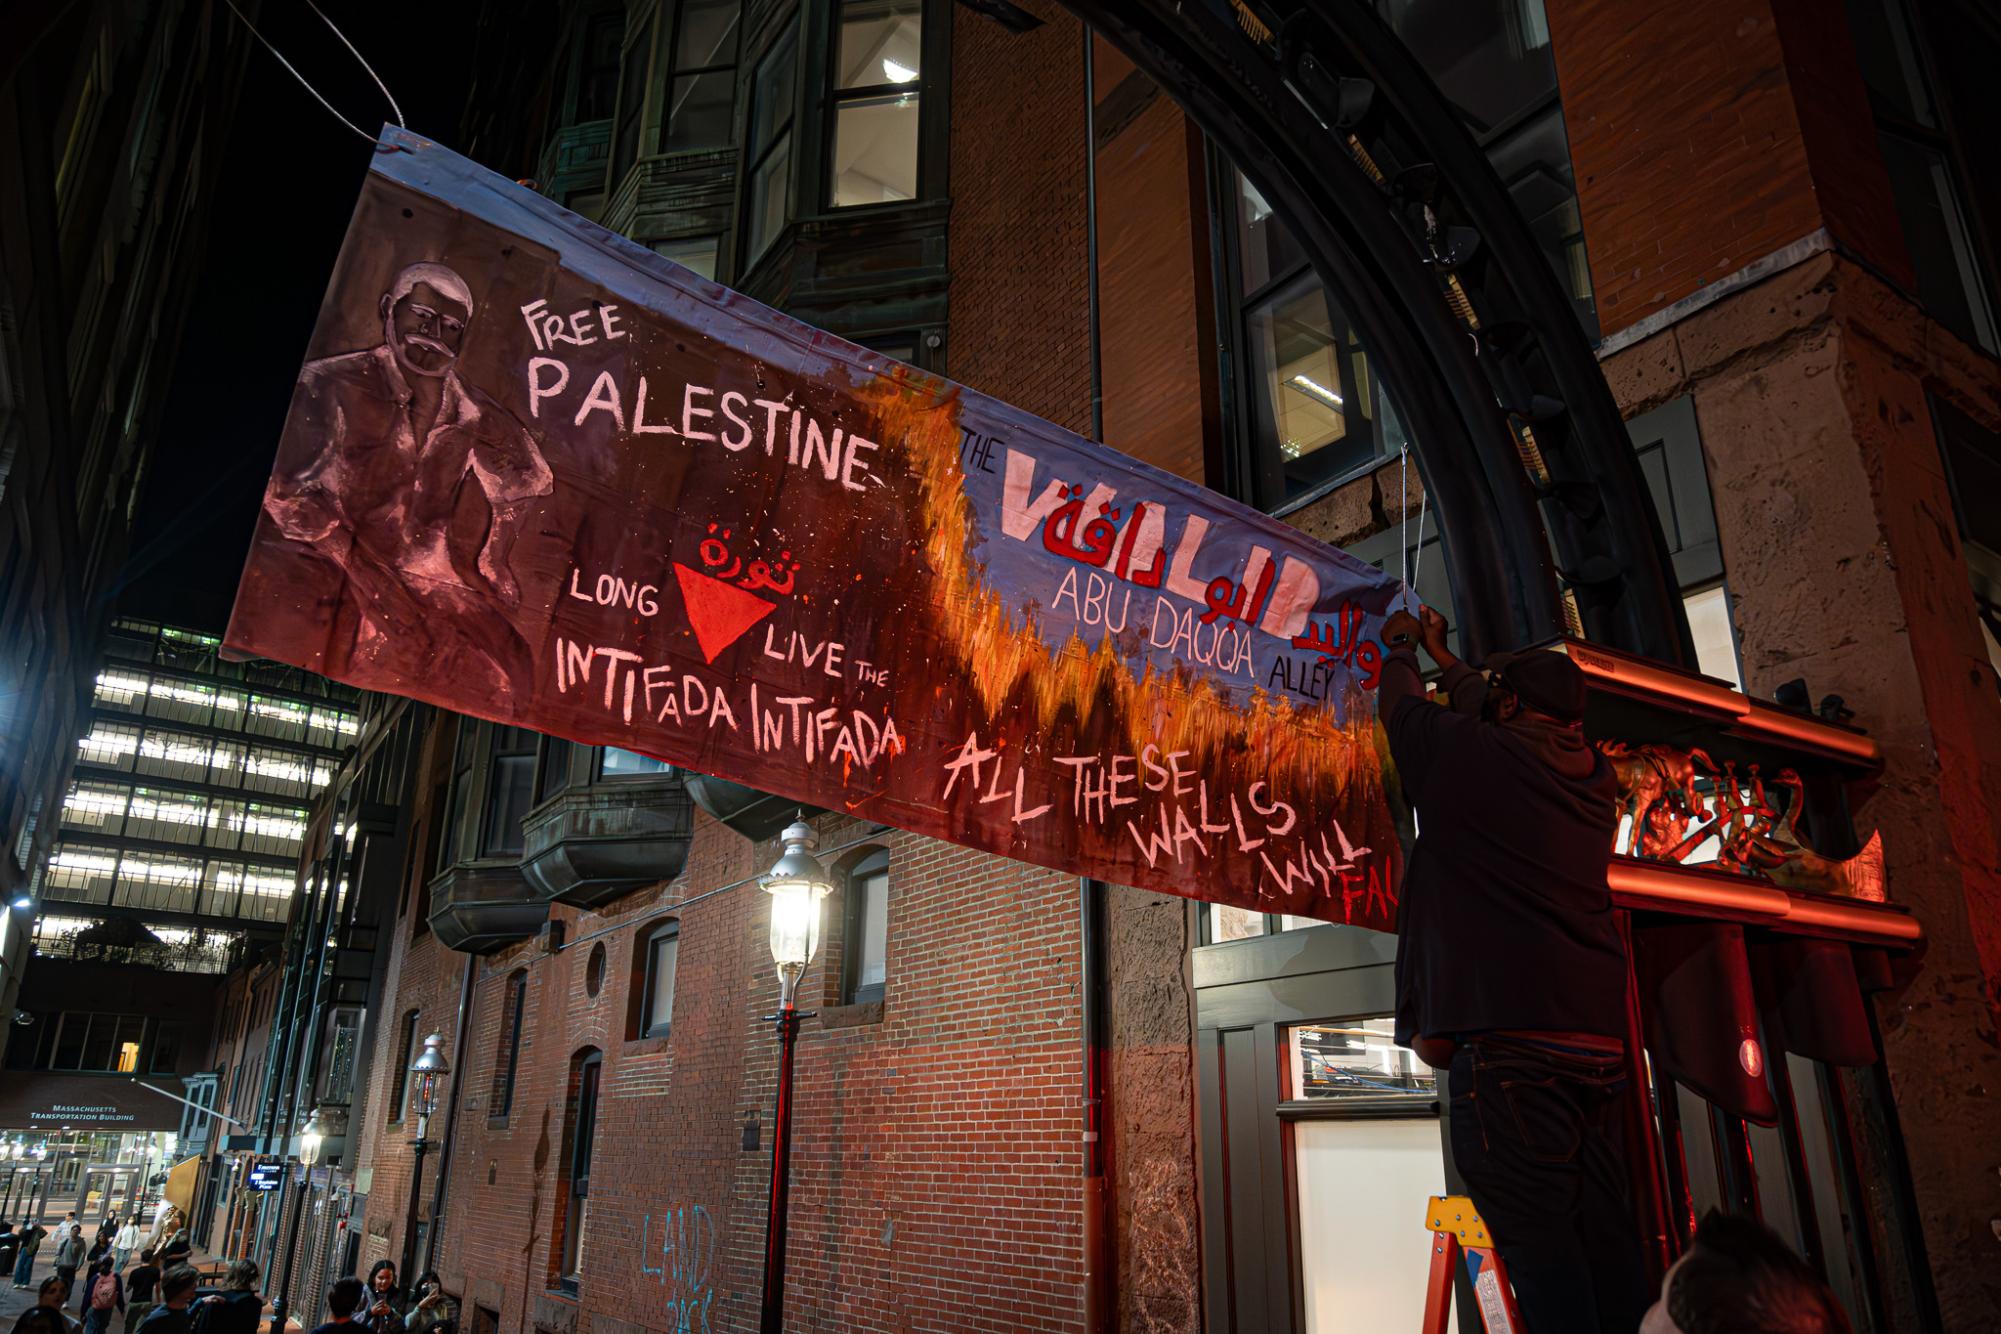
797,883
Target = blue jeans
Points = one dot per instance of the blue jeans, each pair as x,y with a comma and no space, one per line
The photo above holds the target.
25,1266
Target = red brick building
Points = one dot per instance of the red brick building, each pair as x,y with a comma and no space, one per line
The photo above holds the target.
1026,1104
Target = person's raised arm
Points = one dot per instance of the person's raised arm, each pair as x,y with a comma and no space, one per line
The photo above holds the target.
1463,686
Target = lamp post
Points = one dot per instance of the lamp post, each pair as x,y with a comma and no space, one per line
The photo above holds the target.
797,883
311,1137
427,1072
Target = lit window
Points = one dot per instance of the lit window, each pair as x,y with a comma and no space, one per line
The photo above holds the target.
1715,643
876,103
626,764
1353,1058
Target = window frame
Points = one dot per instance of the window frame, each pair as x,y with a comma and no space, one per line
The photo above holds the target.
673,72
854,926
507,1060
406,1048
651,938
836,96
755,156
642,29
580,1126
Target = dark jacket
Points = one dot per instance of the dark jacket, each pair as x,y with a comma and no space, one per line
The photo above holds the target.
234,1312
1506,920
165,1320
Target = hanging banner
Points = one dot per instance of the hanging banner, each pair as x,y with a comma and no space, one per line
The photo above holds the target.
535,473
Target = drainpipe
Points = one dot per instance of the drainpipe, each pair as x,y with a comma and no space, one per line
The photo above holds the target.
451,1124
1100,1261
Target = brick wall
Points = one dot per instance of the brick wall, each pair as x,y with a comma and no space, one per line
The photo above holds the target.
1696,152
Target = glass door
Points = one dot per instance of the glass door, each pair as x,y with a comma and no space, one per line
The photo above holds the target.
1362,1114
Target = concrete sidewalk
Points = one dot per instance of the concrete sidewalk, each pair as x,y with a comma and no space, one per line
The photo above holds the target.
14,1300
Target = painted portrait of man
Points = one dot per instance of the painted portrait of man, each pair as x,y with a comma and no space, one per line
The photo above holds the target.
403,449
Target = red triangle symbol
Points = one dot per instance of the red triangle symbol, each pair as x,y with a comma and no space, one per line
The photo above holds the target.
719,612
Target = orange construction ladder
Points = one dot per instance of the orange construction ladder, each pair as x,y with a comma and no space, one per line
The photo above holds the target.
1457,1233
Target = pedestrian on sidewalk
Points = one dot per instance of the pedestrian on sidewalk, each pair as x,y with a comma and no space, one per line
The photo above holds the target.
179,1244
49,1301
31,1235
126,1242
140,1286
434,1312
177,1293
42,1320
1511,971
237,1309
104,1298
100,1253
342,1299
106,1230
69,1252
383,1313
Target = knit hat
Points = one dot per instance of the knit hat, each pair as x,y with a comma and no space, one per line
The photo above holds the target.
1546,681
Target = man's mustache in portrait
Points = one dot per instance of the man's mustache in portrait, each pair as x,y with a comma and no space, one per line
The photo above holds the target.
417,340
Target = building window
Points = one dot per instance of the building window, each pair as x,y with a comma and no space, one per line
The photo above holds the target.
597,79
342,1048
507,1060
1670,449
878,65
697,254
659,952
406,1045
455,829
616,763
585,1071
701,87
1318,414
166,1050
552,773
633,86
865,958
1918,151
509,791
773,96
1222,923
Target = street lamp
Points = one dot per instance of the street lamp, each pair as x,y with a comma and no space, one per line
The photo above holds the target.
311,1137
427,1073
797,883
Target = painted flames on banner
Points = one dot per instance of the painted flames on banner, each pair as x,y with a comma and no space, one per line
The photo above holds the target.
535,474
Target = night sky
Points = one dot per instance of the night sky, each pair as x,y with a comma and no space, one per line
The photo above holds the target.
282,205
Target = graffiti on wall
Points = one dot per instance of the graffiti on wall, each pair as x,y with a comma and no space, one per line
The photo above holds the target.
538,474
677,1250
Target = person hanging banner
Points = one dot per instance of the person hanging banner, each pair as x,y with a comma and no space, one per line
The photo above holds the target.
534,473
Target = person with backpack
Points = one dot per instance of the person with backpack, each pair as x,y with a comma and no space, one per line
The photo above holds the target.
31,1235
104,1297
237,1309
